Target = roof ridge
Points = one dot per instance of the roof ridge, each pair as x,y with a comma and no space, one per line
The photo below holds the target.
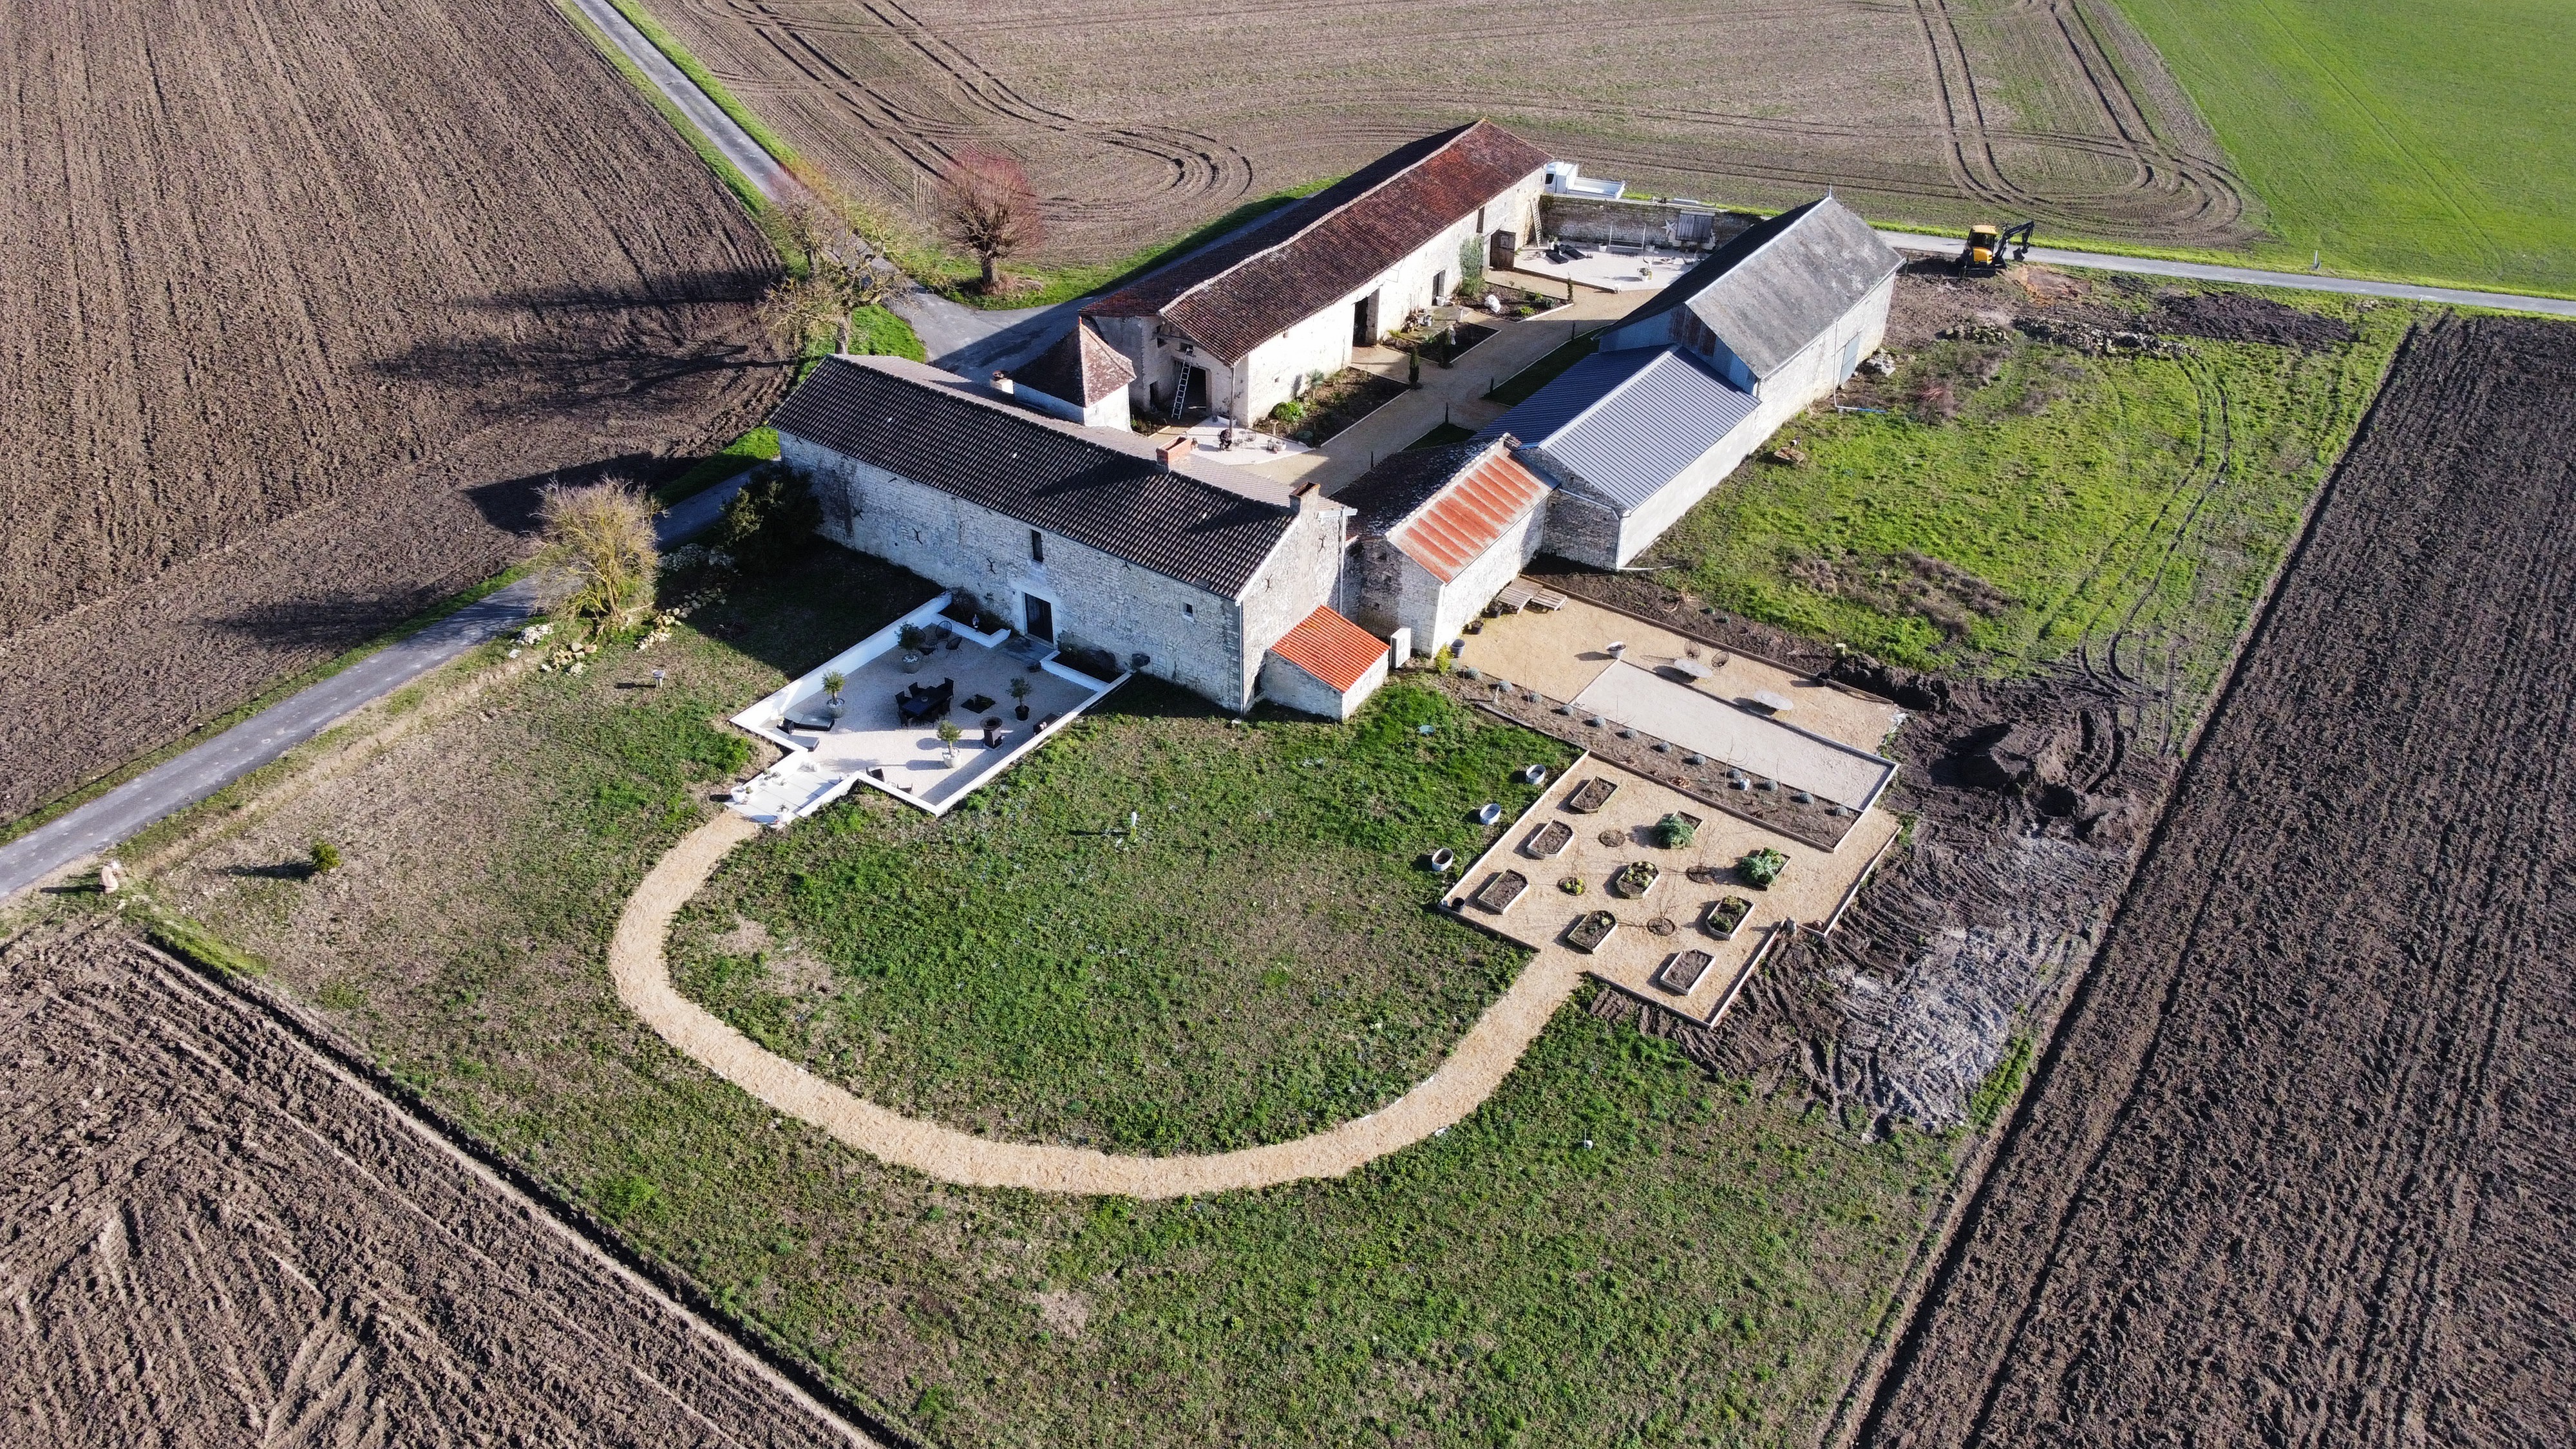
1320,218
1588,409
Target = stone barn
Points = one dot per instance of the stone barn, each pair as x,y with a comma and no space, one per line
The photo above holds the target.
1682,390
1238,327
1082,537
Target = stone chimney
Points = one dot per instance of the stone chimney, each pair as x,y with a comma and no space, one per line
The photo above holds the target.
1175,450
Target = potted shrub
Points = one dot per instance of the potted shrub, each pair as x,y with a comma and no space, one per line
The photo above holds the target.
1675,831
949,735
1762,867
1020,692
832,684
913,639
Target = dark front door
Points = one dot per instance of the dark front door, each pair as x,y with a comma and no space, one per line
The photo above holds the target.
1364,321
1041,617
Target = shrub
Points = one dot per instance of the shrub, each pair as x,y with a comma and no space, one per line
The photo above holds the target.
772,520
1675,831
1441,659
913,638
602,536
325,857
1290,411
1762,867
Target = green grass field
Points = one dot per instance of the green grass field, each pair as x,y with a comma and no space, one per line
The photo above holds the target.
1255,962
1616,1248
2071,499
2399,139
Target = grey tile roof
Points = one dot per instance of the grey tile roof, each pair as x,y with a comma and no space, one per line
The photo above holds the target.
1081,368
1781,283
1097,488
1623,425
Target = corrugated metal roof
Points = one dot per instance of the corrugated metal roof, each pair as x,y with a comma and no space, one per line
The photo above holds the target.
1236,295
1623,425
919,423
1467,516
1331,648
1782,283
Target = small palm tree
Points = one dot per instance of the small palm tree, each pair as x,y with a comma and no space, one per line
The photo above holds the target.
949,735
832,682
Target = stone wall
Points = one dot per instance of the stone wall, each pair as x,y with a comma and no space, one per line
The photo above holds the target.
1286,684
1192,637
1300,576
1624,222
1585,530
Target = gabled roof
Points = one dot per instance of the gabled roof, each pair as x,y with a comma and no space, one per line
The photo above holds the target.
1098,488
1623,425
1780,284
1081,368
1238,294
1447,509
1331,648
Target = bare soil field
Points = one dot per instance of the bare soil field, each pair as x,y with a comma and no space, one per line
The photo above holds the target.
2296,1170
305,300
213,1235
1139,121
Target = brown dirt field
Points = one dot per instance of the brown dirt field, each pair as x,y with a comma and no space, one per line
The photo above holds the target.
213,1235
306,300
2296,1170
1138,121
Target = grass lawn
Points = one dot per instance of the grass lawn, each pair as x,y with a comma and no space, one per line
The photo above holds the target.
1256,962
2405,140
1521,386
1616,1248
1441,437
2070,499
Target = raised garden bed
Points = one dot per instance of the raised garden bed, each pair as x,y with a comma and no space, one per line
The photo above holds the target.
1726,916
1681,974
1548,840
1677,830
1636,878
1589,931
964,611
1761,868
1591,795
1333,405
1430,345
1500,890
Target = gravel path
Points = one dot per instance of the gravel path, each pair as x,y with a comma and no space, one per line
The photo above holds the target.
2252,276
1483,1057
189,777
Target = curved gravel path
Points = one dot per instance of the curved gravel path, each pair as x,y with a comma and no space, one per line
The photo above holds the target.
1482,1058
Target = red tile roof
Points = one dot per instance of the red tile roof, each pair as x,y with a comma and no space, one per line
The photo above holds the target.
1236,295
1331,648
1468,514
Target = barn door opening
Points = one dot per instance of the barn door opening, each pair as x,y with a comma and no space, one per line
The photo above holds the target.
1364,321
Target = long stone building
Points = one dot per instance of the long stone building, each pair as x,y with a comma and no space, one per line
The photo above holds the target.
1240,327
1084,537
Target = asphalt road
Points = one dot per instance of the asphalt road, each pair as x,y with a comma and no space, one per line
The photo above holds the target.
731,140
184,779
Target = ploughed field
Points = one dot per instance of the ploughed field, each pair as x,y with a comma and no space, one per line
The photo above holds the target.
1138,121
304,302
215,1236
2297,1167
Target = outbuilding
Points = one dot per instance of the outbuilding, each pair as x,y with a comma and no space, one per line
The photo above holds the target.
1437,533
1242,326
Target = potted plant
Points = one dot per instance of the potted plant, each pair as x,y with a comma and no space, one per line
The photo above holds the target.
1020,692
1675,831
913,639
949,735
832,683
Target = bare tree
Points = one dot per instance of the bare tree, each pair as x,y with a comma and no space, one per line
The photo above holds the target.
842,274
602,536
987,206
790,311
806,228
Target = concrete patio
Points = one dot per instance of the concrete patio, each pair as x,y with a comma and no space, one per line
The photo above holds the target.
870,744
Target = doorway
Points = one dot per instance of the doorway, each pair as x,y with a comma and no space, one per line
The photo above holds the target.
1189,390
1364,321
1041,618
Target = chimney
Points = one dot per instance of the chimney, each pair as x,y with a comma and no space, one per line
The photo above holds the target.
1175,450
1002,383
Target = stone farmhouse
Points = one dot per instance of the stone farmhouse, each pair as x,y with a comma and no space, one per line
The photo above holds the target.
1032,494
1240,327
1088,538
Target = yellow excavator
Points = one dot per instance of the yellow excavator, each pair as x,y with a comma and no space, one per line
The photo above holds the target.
1983,256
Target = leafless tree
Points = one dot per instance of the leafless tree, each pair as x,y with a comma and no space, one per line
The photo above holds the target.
842,274
987,206
602,536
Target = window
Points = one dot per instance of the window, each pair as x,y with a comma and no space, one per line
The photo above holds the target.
1189,611
1037,546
